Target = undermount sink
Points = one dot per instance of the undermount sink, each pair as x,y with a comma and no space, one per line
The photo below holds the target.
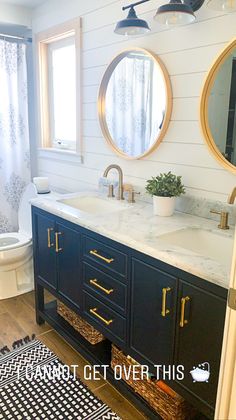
94,205
210,244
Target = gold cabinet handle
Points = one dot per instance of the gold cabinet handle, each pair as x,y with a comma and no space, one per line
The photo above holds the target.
183,321
94,312
57,234
50,244
96,254
95,283
164,311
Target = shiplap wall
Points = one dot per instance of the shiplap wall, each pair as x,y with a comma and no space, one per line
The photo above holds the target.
187,53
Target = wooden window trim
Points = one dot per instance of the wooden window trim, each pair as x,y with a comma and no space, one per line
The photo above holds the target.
42,40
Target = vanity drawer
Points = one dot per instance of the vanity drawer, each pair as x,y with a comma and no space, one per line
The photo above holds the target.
105,256
111,291
109,322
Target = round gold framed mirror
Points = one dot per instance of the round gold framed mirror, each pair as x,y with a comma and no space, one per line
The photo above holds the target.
218,108
135,103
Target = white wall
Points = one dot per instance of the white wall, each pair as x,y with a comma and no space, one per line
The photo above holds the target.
16,15
187,52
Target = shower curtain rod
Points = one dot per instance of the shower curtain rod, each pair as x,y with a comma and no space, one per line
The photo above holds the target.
15,37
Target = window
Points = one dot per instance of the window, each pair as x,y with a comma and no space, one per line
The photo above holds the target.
59,87
62,93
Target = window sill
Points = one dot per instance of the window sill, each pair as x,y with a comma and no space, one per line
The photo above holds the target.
61,155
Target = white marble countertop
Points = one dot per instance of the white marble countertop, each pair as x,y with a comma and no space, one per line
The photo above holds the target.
137,227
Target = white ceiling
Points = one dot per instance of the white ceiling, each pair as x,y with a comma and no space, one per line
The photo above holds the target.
26,3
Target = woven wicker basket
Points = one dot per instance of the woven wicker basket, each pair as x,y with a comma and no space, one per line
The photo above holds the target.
83,327
167,403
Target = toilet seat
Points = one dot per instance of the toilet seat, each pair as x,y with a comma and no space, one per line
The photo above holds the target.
13,240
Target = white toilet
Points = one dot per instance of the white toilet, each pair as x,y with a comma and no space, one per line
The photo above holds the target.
16,262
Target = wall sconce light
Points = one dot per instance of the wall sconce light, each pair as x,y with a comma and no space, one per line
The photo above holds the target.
222,5
132,25
176,12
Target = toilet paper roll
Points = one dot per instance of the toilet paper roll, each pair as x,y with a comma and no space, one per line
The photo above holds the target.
42,184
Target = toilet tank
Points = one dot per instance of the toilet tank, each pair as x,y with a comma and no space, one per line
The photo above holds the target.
24,213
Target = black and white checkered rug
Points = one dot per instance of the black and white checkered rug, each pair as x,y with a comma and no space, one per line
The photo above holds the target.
34,398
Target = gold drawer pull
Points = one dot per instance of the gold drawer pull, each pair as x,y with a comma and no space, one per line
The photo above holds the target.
95,253
95,283
94,312
183,321
165,311
57,234
50,244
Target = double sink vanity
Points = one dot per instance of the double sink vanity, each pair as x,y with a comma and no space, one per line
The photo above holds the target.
155,287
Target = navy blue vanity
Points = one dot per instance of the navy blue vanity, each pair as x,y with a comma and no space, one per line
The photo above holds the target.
154,312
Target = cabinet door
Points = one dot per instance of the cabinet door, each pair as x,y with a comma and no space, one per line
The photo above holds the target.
68,262
199,339
44,245
153,301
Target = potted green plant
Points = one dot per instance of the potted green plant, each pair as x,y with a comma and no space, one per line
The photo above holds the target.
165,188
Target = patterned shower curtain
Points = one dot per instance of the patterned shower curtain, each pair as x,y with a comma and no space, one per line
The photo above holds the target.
14,132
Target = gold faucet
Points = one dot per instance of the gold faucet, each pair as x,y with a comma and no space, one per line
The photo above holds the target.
224,215
232,196
120,195
131,193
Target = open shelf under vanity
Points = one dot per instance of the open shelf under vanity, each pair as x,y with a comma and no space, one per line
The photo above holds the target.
99,354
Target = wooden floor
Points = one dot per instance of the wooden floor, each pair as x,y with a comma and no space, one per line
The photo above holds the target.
17,320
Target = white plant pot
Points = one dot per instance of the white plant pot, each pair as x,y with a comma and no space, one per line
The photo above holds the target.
163,206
